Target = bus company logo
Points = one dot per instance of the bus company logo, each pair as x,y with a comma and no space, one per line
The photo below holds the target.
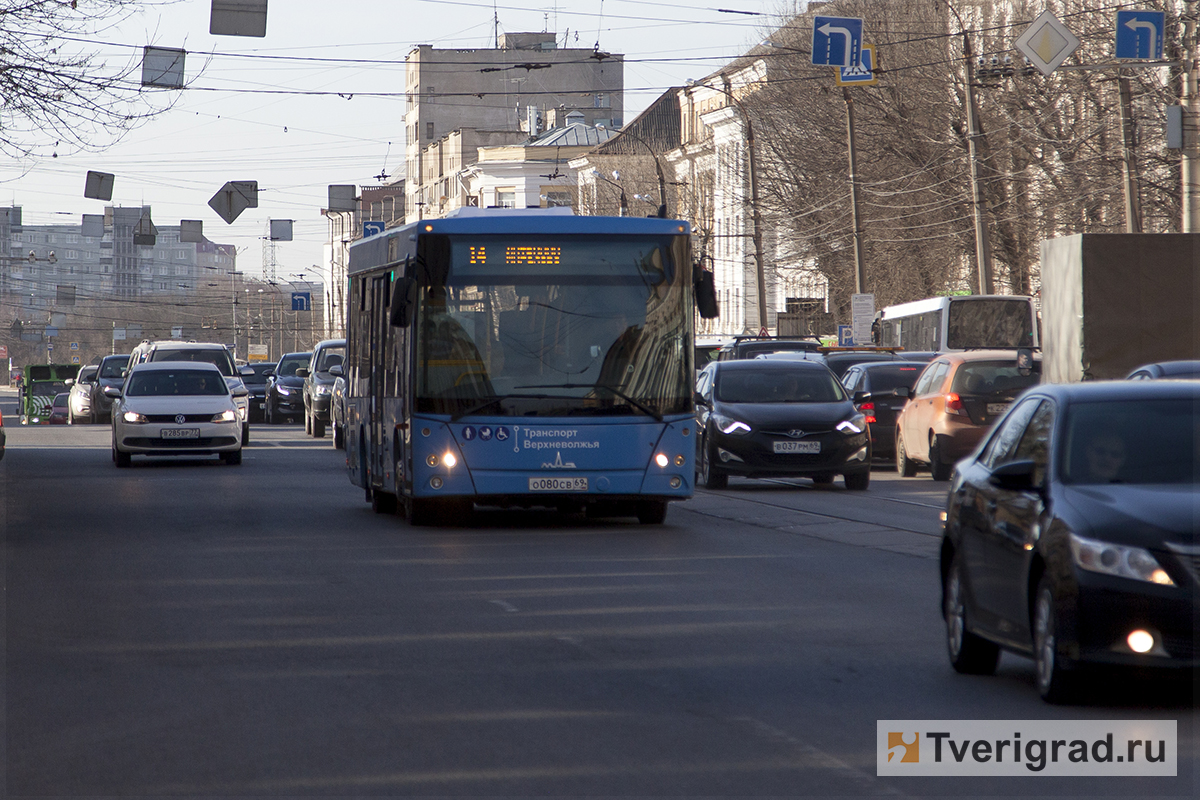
558,463
1097,748
909,751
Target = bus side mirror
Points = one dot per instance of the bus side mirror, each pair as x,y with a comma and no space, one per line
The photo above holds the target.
706,294
404,300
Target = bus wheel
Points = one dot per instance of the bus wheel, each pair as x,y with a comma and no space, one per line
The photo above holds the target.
383,502
652,512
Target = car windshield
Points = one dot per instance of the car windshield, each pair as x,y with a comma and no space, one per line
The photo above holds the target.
1132,441
218,358
114,367
994,377
60,400
330,357
778,386
164,383
289,364
893,376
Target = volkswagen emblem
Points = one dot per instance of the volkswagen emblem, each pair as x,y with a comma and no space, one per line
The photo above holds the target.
180,419
795,433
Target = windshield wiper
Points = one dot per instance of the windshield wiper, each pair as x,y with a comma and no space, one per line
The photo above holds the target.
494,399
645,409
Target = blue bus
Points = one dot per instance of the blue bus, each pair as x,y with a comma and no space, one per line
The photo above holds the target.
520,358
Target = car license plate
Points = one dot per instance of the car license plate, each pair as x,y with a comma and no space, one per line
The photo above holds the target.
180,433
558,484
995,409
797,447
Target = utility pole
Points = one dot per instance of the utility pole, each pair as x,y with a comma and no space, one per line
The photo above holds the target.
1133,204
1190,100
860,271
983,249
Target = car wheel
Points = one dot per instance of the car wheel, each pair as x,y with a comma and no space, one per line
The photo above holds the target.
383,502
939,470
245,434
232,459
318,428
1053,682
711,476
122,459
307,422
652,512
857,481
905,466
339,437
969,654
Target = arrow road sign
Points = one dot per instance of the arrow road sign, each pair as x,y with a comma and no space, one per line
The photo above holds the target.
1140,34
837,41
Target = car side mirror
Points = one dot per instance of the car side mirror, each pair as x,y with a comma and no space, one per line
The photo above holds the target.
861,397
1025,361
1015,476
902,391
69,381
268,373
112,391
336,369
245,370
240,391
302,372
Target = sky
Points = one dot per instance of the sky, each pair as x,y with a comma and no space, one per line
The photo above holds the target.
300,109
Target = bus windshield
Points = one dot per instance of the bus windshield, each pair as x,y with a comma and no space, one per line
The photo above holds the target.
556,326
989,322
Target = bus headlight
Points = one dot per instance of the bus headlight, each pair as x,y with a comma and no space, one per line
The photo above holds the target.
662,460
449,460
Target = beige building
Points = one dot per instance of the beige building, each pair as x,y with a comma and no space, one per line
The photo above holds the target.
495,97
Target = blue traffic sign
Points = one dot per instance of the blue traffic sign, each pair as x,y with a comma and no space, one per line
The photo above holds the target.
863,74
301,301
845,335
372,227
1140,34
837,41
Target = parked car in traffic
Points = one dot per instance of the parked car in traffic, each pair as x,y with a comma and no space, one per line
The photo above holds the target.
256,389
880,390
953,404
752,346
841,359
176,408
111,373
763,418
208,352
1172,370
3,435
1071,534
285,388
60,409
326,365
79,401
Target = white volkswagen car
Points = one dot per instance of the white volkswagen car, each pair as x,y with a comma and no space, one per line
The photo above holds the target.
175,408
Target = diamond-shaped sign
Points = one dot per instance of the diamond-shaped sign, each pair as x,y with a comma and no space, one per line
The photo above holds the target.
234,198
1047,43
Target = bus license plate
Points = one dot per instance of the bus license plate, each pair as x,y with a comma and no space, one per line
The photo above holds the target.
995,409
180,433
558,484
797,447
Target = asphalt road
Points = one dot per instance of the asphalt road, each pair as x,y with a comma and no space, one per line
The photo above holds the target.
199,629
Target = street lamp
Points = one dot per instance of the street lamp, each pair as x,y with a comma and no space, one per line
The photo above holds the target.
620,188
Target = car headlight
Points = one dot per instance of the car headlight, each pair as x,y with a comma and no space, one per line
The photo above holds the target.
283,390
134,417
1123,561
730,426
322,389
856,424
225,416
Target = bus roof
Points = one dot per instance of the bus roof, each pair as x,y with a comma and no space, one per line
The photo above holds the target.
545,220
931,303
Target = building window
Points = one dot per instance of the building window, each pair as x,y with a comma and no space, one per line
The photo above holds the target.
506,198
428,130
557,199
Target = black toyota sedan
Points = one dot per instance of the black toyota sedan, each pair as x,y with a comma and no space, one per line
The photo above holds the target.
770,418
1071,534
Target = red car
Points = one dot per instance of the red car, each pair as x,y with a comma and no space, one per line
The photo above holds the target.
60,409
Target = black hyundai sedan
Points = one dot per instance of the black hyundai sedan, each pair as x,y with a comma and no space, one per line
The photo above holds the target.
764,418
1071,534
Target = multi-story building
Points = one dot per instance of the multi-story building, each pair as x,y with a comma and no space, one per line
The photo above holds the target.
496,97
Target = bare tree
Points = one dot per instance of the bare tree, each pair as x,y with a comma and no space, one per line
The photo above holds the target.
58,91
